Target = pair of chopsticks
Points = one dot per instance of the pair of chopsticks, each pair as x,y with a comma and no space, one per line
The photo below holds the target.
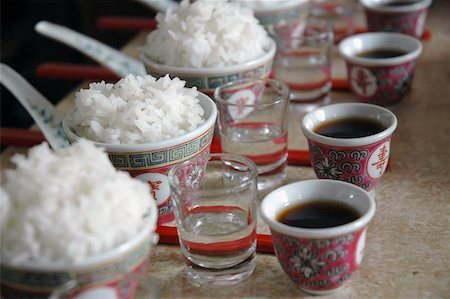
119,23
28,138
70,71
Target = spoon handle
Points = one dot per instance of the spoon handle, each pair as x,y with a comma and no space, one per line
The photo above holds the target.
159,5
113,59
43,112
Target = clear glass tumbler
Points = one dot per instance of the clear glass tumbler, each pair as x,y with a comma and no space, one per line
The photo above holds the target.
253,119
215,209
303,59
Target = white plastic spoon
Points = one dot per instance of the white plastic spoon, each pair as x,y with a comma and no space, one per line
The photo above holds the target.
43,112
111,58
159,5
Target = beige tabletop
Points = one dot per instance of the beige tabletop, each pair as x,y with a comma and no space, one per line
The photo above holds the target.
408,242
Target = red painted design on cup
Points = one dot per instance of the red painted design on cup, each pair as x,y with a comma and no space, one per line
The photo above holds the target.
411,23
362,165
382,85
320,264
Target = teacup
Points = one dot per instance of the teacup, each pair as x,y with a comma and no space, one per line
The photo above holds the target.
380,65
403,16
358,160
319,260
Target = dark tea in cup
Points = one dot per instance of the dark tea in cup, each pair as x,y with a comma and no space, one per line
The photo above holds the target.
351,127
381,53
318,214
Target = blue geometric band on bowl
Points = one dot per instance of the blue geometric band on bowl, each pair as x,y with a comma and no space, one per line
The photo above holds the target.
163,157
207,82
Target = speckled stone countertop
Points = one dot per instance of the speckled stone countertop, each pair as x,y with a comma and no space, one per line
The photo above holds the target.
408,242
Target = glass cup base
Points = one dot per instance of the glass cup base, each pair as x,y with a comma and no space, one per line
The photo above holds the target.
222,277
307,106
271,180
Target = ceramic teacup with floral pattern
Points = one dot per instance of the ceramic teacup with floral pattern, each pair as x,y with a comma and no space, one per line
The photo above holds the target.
403,16
319,260
380,65
360,160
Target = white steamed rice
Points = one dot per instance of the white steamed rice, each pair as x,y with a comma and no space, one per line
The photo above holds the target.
62,207
136,110
206,34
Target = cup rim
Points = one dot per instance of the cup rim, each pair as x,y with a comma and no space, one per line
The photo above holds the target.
413,6
138,147
146,233
307,128
318,233
214,71
277,7
285,91
229,156
325,34
348,47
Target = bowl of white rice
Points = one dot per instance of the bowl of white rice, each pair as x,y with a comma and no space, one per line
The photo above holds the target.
207,44
146,126
70,215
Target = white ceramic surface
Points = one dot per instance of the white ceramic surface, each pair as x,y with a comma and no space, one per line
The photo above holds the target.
113,59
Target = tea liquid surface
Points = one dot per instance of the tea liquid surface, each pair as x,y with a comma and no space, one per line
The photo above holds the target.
318,214
381,53
350,128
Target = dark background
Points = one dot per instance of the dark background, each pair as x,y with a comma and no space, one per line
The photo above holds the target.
23,49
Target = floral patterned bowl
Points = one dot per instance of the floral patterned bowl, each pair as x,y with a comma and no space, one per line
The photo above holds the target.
381,81
105,271
319,260
207,79
150,162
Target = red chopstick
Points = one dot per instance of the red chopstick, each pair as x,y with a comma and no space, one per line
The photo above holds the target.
138,24
28,138
125,23
70,71
20,137
169,235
